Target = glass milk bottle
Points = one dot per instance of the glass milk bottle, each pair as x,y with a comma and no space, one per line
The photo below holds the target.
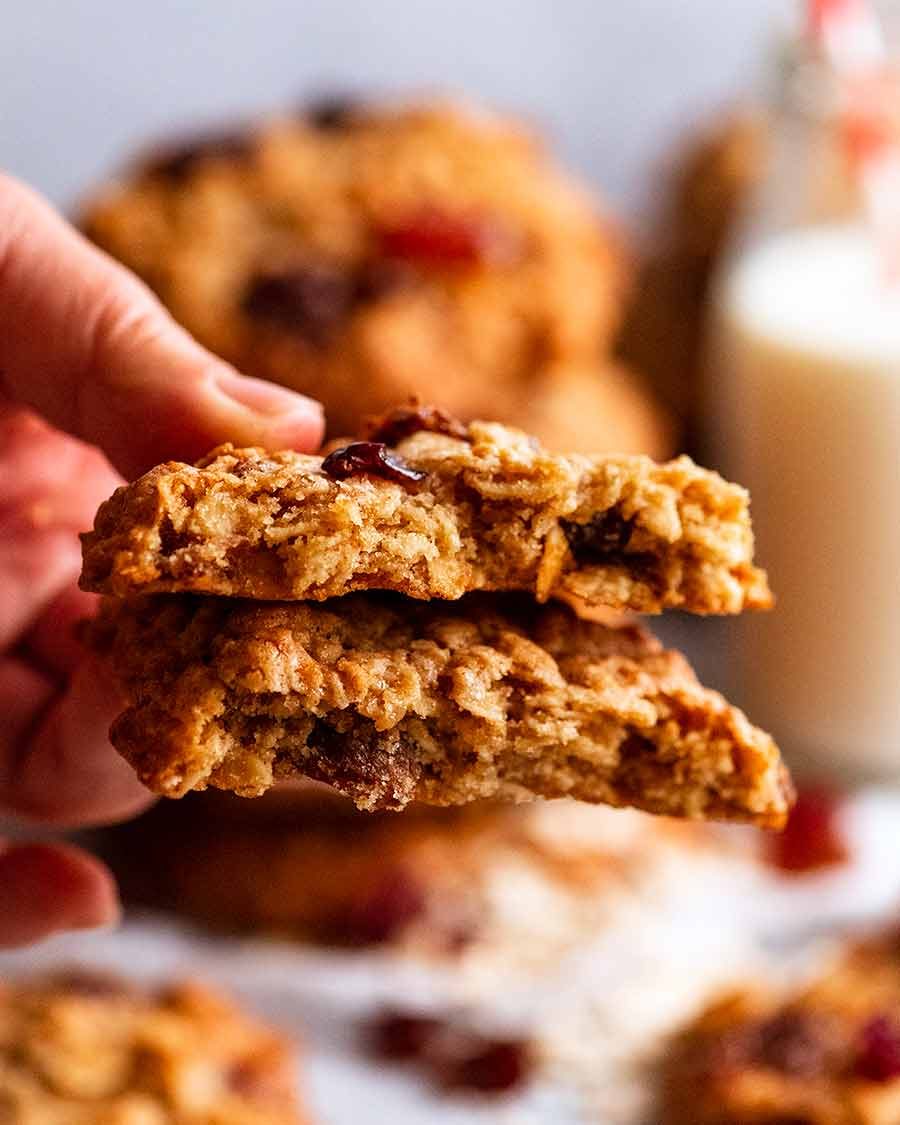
803,396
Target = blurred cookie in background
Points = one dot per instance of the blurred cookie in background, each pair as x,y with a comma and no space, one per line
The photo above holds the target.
664,324
361,253
80,1048
827,1053
593,408
304,863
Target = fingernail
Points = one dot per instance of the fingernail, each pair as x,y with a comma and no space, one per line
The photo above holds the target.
99,916
264,398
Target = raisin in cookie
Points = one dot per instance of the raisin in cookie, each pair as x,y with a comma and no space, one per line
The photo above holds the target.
365,254
80,1049
391,701
432,509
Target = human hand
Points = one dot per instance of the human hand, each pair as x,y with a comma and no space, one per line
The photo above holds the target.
89,362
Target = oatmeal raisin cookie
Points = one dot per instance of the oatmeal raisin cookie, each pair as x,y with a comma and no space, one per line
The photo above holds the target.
827,1054
369,252
81,1048
391,701
432,511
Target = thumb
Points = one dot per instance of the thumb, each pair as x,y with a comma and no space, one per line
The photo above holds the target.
87,345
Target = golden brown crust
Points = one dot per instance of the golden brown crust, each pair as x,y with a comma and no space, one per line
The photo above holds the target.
359,305
493,512
828,1054
392,700
82,1049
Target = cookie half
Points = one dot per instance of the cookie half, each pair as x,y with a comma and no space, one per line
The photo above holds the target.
390,701
432,509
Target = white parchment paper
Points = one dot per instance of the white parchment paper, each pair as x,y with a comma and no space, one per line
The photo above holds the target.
599,1010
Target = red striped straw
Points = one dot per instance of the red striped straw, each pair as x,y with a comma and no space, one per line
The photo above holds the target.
850,37
848,32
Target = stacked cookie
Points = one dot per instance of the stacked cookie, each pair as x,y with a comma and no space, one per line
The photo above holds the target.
360,253
381,619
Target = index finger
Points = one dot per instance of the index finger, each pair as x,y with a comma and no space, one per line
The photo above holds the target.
87,345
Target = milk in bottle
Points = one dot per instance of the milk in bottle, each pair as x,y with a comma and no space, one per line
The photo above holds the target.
806,358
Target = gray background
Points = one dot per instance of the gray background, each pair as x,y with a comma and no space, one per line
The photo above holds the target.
83,81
